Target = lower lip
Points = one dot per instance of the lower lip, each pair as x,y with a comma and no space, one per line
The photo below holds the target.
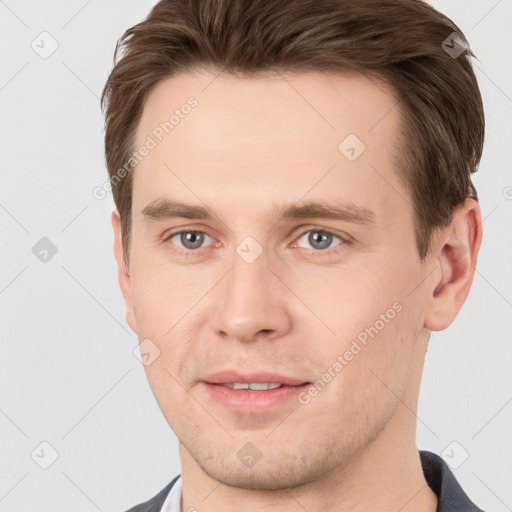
252,402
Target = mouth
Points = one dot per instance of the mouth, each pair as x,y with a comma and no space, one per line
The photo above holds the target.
252,394
254,386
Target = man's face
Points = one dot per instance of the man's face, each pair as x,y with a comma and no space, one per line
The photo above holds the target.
256,291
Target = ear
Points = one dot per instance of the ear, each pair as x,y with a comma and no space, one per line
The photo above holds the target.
455,251
122,271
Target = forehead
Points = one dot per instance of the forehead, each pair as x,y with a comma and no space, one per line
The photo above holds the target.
295,103
270,137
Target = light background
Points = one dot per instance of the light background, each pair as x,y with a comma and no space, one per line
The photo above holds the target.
67,369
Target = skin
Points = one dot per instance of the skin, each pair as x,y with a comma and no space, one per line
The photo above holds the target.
250,145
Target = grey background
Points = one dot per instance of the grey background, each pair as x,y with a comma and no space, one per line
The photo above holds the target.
67,369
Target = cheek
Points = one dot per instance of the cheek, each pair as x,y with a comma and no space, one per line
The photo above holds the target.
347,298
163,295
371,370
163,301
375,320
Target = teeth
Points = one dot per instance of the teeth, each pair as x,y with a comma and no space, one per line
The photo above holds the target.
253,386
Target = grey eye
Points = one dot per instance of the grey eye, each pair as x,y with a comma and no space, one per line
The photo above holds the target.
319,240
190,239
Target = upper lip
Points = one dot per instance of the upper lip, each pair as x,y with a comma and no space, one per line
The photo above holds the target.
227,377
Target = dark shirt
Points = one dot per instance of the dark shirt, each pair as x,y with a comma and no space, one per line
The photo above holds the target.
451,497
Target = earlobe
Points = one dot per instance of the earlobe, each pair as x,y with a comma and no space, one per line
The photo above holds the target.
123,272
457,251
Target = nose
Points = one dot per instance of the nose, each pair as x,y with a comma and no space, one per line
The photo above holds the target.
251,303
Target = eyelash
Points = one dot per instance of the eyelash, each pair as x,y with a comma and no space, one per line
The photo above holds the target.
326,252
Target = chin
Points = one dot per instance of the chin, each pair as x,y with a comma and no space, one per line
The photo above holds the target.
277,469
265,478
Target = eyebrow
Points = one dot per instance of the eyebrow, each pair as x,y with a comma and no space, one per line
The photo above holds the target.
164,209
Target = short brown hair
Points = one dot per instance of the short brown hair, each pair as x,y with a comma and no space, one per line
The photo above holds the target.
416,50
